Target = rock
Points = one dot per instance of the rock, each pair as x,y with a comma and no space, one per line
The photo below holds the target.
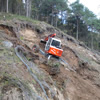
7,44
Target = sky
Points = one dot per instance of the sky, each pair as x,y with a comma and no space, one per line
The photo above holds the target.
92,5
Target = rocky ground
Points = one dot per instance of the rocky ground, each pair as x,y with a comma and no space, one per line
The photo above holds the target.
16,83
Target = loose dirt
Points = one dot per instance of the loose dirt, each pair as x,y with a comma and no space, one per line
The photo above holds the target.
83,84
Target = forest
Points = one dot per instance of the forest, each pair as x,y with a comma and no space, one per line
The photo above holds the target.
74,19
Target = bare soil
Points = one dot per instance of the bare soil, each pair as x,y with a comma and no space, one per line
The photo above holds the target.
83,84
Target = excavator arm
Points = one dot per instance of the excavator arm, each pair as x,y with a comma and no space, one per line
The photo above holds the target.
50,36
46,38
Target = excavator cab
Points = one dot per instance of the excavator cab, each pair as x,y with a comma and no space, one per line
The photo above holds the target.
53,47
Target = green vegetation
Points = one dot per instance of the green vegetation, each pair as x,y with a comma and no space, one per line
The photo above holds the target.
9,54
53,64
56,65
34,82
9,16
10,81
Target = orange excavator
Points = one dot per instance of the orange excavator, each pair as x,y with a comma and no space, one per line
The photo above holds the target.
53,46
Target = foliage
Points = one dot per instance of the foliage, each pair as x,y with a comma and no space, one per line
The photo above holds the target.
53,64
87,23
77,8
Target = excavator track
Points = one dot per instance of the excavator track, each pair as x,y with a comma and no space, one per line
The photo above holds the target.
68,66
59,59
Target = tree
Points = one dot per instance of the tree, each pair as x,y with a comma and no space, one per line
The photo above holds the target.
3,5
28,8
7,5
51,8
36,8
77,9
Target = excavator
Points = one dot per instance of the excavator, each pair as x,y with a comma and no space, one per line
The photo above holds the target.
53,46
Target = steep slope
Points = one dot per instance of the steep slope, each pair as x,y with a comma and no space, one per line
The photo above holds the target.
16,82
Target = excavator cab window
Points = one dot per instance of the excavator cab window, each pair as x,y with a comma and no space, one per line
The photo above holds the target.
55,44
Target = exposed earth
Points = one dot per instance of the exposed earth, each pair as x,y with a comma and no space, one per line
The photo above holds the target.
16,83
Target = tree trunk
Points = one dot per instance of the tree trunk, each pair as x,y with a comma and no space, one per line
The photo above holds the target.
27,1
47,19
28,8
92,41
56,20
98,42
52,20
77,30
7,6
52,17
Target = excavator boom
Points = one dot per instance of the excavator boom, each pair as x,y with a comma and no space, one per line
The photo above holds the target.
46,38
50,36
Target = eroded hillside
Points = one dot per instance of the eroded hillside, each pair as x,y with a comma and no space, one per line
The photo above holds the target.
16,82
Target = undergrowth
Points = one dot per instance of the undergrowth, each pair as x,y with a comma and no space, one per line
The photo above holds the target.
9,16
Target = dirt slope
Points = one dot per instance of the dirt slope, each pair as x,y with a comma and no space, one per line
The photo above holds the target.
16,83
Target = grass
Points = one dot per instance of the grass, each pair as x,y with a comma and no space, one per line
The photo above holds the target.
53,64
8,55
21,38
9,16
34,81
9,80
